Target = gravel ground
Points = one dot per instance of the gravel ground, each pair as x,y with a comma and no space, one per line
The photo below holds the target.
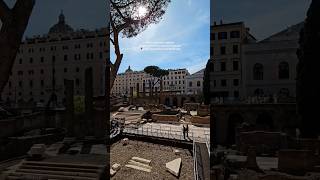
159,156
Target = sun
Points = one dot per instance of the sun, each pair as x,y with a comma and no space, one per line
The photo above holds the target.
142,11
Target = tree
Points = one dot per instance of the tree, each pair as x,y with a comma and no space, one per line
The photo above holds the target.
157,75
129,18
14,23
307,73
206,84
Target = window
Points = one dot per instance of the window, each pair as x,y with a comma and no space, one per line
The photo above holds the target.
236,94
211,51
235,65
222,35
31,60
65,70
212,36
214,83
258,92
235,34
31,83
258,72
223,83
65,58
222,50
101,55
236,82
9,84
284,70
198,83
42,83
77,69
42,59
20,61
65,47
284,92
77,82
223,66
190,84
20,73
41,71
211,67
20,83
53,58
235,49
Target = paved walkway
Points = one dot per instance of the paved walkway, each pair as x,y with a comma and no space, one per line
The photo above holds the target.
199,134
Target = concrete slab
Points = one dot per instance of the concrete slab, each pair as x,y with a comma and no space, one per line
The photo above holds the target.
132,162
138,159
138,168
99,149
174,166
53,150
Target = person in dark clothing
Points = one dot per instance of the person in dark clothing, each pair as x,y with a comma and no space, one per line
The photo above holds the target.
187,130
184,131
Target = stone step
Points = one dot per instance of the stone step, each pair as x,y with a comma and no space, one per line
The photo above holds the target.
31,176
138,168
141,160
67,169
64,173
51,164
132,162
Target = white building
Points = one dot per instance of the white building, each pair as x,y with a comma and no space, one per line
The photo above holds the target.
270,64
43,62
194,83
124,81
174,81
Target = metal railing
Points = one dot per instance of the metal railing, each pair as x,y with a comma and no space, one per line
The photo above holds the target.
164,133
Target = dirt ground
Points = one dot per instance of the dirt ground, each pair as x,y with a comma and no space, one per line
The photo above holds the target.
159,156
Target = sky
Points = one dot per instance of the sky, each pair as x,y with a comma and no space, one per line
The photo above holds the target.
185,26
86,14
264,18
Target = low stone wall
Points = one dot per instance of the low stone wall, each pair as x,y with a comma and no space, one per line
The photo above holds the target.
11,126
200,120
296,161
167,118
265,142
204,110
191,106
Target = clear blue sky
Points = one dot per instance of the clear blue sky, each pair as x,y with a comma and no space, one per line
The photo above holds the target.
186,23
264,18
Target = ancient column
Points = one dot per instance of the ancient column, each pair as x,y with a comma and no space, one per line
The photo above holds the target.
69,86
138,90
89,121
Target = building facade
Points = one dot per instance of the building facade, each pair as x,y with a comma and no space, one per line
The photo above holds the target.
194,83
174,81
225,56
270,64
44,62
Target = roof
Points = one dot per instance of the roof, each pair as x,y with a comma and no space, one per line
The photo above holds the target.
290,33
61,26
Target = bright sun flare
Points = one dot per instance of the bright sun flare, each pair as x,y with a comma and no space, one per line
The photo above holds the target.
142,11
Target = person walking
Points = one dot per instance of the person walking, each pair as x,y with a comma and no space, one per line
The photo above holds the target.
184,131
187,130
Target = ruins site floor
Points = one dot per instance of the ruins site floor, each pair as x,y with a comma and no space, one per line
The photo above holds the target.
159,156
